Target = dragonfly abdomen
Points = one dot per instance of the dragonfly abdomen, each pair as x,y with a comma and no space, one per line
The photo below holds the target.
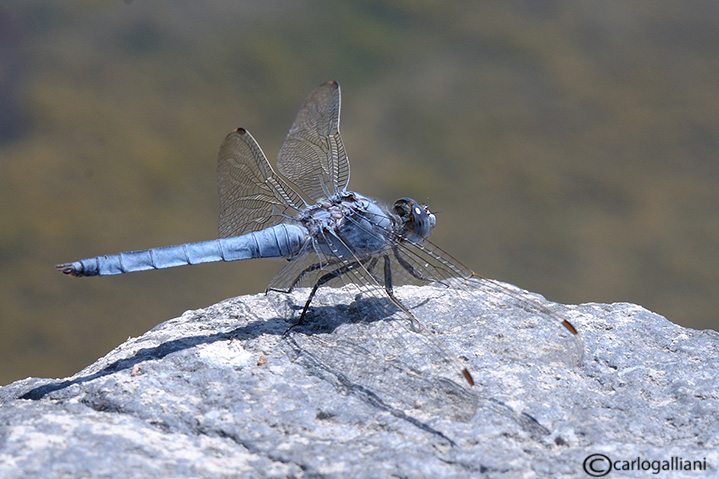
280,241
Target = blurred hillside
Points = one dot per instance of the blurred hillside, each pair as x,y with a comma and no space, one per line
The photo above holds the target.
566,147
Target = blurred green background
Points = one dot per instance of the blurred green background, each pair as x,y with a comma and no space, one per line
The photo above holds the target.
569,147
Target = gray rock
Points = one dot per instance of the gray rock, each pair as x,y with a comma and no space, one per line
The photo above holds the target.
224,392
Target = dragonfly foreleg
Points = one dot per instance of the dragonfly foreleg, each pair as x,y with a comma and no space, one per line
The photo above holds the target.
410,269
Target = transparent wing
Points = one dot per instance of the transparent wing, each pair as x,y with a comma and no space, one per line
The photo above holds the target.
403,349
313,156
424,263
540,333
252,195
355,336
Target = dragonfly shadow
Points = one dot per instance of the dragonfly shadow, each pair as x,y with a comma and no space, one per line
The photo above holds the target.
321,319
251,330
326,319
320,323
317,367
371,348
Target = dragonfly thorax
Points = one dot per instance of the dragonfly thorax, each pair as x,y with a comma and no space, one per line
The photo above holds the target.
349,222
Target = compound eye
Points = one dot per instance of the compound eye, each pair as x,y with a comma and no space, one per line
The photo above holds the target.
424,221
430,216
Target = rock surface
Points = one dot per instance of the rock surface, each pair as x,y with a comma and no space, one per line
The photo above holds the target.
224,392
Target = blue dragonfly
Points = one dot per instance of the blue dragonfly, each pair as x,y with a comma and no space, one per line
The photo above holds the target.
331,237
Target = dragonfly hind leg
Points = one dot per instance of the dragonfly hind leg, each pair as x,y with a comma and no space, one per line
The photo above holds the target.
323,280
310,268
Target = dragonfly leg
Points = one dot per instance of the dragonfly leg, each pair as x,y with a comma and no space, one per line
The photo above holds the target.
370,268
388,277
312,267
414,324
324,279
410,269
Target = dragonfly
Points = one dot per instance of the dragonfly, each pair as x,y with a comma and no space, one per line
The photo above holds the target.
336,238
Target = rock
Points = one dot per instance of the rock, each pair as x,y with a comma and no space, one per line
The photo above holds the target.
228,391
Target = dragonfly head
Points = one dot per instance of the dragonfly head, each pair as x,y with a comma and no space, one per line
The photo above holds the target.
417,220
